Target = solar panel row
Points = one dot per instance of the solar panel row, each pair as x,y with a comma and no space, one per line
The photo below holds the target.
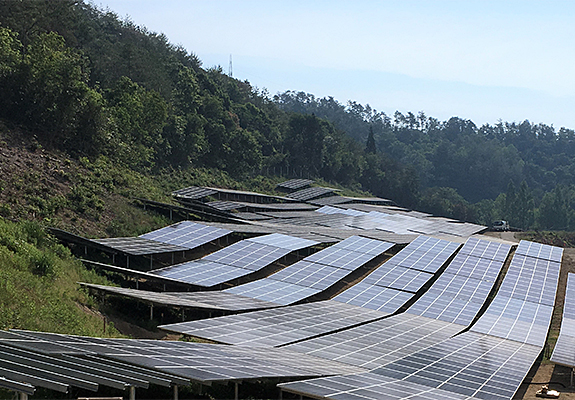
310,193
452,298
197,361
564,351
393,283
137,246
186,234
489,362
315,273
275,327
295,184
236,260
304,279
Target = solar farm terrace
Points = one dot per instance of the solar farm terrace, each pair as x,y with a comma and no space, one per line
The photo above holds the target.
325,296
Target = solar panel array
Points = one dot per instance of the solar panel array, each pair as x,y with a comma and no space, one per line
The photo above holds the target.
314,273
459,293
194,192
234,261
398,224
277,326
310,193
378,343
393,283
489,362
426,254
564,351
137,246
195,300
38,366
466,366
336,210
186,234
523,307
291,243
197,361
247,254
294,184
374,297
283,293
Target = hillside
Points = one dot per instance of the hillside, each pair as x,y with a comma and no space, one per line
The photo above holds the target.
97,112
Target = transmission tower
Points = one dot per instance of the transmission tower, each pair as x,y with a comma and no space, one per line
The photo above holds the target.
231,70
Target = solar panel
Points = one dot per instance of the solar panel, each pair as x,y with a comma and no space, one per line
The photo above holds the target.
317,276
564,351
279,326
374,297
222,205
486,249
475,267
514,319
198,361
202,272
337,210
310,193
531,279
291,243
425,254
398,278
295,184
469,364
194,192
248,255
340,258
538,250
365,245
380,342
275,291
225,301
137,246
186,234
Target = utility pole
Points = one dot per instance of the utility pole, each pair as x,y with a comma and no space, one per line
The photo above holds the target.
231,70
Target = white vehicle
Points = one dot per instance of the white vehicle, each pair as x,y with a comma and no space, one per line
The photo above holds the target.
500,226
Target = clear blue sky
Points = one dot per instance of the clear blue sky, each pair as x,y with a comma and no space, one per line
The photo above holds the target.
479,60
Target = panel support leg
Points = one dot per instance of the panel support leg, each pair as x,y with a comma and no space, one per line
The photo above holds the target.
151,312
236,391
132,393
175,392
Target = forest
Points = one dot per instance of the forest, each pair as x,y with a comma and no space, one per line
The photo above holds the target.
81,80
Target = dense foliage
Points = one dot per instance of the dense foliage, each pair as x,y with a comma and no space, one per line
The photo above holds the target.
92,85
520,172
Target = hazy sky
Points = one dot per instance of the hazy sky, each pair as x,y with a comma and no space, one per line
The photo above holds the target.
479,60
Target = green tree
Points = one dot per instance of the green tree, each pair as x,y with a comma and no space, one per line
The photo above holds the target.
138,117
370,147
